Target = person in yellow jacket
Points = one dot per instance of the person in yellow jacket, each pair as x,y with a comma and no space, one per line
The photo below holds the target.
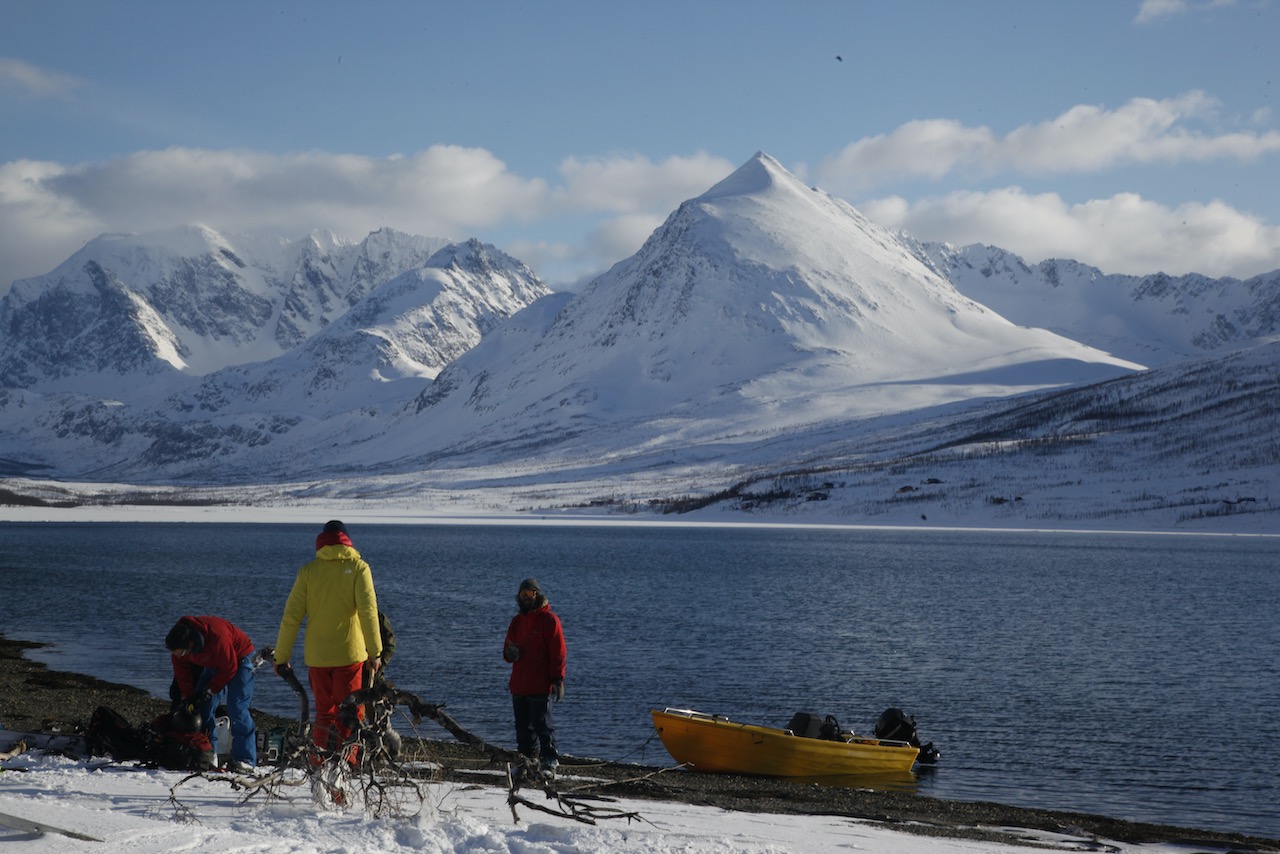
334,594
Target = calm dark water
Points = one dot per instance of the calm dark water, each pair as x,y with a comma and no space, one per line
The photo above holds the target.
1125,675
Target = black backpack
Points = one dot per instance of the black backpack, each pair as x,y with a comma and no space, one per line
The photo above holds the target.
178,750
157,744
109,734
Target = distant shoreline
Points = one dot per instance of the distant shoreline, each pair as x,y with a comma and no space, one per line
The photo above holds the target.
315,515
34,698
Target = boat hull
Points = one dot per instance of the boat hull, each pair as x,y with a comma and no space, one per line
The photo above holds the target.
715,744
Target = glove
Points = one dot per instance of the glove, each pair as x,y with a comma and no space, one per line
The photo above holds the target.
198,699
557,690
511,653
284,669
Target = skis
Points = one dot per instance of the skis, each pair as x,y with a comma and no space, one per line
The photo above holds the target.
73,744
39,827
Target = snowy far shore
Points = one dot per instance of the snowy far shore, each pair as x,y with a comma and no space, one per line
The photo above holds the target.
318,513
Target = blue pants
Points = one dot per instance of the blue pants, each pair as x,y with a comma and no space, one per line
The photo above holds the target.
533,718
236,696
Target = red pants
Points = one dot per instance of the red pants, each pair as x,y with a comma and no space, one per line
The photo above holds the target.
332,685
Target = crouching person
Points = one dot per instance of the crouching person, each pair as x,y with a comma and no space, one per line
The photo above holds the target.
212,665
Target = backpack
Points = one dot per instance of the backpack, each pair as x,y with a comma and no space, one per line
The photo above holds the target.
177,750
388,638
109,734
157,744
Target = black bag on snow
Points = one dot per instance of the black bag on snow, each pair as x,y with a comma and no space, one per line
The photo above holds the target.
109,734
157,743
177,750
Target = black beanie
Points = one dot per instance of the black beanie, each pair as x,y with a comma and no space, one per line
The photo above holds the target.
530,584
183,635
333,526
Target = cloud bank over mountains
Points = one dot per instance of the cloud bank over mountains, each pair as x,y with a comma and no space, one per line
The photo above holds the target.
600,209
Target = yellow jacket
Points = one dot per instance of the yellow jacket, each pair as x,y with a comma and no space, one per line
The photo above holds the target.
334,594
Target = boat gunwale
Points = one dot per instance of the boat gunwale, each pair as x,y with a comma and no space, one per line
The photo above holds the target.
695,716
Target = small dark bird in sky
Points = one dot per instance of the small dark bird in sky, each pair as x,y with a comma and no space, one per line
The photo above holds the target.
839,58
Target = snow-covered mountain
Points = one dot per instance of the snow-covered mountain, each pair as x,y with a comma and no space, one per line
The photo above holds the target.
142,414
186,301
758,306
387,346
767,351
1156,320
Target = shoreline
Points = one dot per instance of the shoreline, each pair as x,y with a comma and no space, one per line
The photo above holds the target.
294,515
37,699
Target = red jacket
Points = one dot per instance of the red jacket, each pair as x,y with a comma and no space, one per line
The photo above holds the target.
540,638
224,647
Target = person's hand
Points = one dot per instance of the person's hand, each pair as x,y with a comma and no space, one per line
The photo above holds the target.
198,699
511,653
284,669
557,690
374,663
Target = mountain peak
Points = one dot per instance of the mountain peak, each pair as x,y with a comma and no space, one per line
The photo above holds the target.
761,174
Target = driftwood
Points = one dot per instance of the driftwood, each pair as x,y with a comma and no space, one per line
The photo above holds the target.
376,775
575,803
386,694
16,750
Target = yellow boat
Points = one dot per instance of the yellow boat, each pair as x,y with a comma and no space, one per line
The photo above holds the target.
713,743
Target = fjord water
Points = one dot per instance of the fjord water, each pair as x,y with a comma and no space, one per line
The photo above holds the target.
1127,675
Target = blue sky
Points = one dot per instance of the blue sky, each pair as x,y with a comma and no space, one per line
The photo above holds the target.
1135,135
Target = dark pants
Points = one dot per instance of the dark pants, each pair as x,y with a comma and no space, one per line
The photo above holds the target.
533,718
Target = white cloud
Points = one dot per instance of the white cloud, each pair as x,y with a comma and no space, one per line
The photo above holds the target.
441,190
631,183
568,266
1155,10
605,207
33,81
38,228
1152,10
1084,139
1121,234
48,210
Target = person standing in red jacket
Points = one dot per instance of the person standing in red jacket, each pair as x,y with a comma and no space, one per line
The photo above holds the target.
212,664
535,648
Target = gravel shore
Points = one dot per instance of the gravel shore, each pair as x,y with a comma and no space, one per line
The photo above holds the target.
36,699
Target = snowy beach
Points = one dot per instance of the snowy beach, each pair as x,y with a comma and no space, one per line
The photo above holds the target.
124,808
155,812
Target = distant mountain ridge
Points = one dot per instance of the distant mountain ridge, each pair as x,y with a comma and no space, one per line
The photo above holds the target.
189,300
97,360
1156,319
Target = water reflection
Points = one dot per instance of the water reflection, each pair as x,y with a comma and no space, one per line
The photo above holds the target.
889,781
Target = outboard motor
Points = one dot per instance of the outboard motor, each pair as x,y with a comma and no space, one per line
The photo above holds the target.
897,725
